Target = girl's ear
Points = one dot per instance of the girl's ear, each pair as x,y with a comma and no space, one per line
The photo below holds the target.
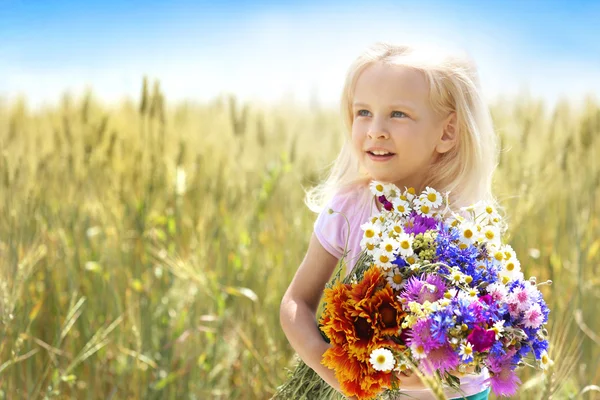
449,134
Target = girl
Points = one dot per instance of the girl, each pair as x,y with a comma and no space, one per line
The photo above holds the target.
415,118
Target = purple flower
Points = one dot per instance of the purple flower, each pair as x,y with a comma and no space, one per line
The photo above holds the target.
426,288
505,382
481,339
420,335
503,379
442,359
420,224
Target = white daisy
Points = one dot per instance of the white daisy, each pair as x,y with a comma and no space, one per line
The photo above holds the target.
395,279
504,278
495,253
473,293
405,247
456,277
391,191
371,230
397,228
401,206
466,351
545,361
382,360
424,210
431,197
402,366
498,328
412,259
418,351
490,234
409,193
383,259
377,188
468,232
389,246
511,267
509,252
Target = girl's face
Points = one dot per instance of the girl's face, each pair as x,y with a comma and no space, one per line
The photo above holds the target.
395,133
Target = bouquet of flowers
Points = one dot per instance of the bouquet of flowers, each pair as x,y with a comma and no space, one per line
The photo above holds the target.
434,291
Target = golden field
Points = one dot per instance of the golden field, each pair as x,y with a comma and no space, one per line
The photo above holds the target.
145,246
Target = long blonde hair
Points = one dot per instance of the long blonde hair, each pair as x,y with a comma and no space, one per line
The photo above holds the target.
466,170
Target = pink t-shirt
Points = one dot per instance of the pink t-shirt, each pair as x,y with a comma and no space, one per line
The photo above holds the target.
331,230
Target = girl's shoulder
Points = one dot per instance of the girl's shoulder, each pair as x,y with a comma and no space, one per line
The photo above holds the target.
350,200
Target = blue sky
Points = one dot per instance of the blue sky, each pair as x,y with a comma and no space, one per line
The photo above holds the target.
267,50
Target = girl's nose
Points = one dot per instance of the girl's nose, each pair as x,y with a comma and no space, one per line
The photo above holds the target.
378,133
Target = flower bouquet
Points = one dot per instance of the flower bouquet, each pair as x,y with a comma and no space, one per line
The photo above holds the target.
435,291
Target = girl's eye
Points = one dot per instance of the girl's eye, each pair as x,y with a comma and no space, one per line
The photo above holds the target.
361,114
399,113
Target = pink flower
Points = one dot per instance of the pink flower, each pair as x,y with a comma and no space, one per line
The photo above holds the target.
441,359
504,382
420,335
481,339
520,297
534,316
503,379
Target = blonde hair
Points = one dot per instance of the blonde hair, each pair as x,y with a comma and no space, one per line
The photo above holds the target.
466,170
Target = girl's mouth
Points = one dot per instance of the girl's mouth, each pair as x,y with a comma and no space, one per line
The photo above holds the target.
380,156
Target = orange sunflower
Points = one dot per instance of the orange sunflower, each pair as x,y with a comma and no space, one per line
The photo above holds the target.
356,378
388,312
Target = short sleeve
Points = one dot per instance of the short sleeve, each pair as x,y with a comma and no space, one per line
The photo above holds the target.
331,228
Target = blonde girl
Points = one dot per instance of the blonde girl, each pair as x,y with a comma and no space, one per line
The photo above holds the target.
414,117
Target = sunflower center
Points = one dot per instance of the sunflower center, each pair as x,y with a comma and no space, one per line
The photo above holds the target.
363,329
388,315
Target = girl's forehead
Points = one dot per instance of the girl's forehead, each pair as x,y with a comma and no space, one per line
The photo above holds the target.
383,83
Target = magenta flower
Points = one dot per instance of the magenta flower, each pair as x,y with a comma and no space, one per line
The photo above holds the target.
386,204
481,339
426,288
503,379
442,359
420,335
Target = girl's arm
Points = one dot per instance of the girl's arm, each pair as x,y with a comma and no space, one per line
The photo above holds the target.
299,306
298,313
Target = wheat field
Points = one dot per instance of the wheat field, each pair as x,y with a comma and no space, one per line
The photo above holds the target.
145,246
